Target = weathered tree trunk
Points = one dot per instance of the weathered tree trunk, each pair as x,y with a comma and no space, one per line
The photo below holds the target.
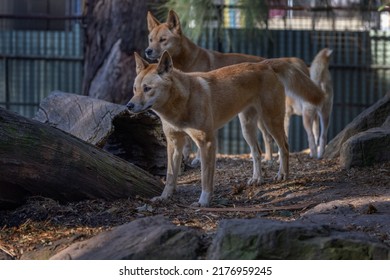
115,29
36,159
138,139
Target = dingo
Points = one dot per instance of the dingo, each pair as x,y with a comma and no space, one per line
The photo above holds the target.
319,73
198,104
189,57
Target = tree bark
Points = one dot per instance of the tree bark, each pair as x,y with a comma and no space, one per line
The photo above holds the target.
115,29
137,138
36,159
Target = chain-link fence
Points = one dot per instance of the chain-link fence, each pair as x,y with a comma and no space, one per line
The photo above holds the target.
41,49
355,30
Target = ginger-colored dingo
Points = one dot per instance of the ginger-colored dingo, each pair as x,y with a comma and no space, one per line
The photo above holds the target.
189,57
320,75
198,104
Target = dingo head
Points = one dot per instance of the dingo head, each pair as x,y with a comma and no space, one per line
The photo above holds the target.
151,86
163,36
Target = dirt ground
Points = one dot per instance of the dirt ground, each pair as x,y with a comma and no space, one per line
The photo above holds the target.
44,223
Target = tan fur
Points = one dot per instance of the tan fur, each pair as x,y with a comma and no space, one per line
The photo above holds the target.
189,57
186,55
319,73
198,104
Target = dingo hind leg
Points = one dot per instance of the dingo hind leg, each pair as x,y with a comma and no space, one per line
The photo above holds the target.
249,131
273,114
316,129
324,120
276,129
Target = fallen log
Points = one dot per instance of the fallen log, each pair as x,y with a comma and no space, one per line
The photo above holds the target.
138,139
36,159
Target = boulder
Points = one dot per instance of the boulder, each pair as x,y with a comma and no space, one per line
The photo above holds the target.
150,238
369,214
366,148
372,117
268,239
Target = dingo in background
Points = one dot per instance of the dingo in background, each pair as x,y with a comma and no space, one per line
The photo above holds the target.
311,115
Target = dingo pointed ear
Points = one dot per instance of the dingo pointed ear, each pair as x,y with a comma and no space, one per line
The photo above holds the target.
140,63
165,64
152,21
173,22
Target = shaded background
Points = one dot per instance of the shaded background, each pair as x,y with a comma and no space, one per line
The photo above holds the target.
43,47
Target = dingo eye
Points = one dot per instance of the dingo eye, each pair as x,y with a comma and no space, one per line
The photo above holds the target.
163,39
146,88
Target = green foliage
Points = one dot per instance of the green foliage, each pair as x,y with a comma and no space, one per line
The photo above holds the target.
385,5
196,15
255,13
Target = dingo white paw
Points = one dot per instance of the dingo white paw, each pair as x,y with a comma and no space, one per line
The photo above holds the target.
280,177
255,181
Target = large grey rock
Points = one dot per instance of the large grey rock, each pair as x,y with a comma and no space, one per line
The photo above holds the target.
149,238
366,148
369,214
372,117
267,239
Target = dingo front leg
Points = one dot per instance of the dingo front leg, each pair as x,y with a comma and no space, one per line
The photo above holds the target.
208,155
267,140
187,148
175,143
196,161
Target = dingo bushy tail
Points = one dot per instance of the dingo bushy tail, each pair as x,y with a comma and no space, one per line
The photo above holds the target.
297,84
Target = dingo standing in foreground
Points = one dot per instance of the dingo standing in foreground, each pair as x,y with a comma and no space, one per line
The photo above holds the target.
198,104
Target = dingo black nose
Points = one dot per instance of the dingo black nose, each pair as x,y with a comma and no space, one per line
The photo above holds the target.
130,106
148,52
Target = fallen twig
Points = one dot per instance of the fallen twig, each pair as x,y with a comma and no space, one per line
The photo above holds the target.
258,208
2,248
